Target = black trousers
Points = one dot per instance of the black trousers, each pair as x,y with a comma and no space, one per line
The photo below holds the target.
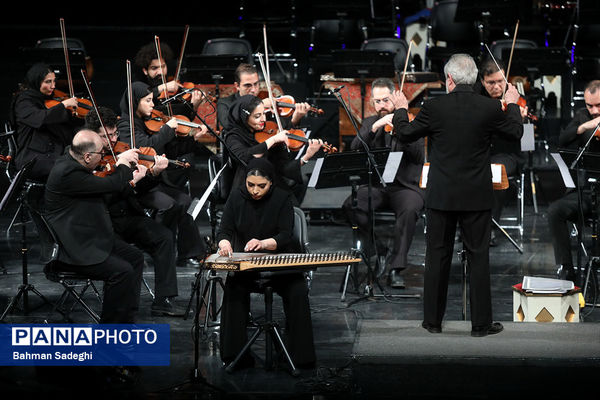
560,213
172,205
512,168
406,205
122,276
441,228
157,240
236,307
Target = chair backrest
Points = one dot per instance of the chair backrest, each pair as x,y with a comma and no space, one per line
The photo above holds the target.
49,246
56,42
228,46
300,232
222,188
394,45
498,46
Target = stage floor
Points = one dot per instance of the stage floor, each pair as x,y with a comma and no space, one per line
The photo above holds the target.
365,347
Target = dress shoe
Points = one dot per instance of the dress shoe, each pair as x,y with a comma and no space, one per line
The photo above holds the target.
432,328
163,307
493,241
396,280
188,262
491,329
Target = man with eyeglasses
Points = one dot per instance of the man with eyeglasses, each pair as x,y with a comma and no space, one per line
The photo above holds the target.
76,211
134,226
403,196
492,83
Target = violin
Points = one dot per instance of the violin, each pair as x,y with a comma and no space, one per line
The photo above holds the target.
157,119
83,105
286,105
521,103
388,128
297,138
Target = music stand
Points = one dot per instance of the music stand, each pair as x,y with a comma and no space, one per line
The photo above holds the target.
588,163
204,68
16,186
353,169
351,63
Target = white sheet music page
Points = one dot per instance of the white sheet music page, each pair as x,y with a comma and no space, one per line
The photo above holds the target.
314,177
496,173
528,138
391,166
564,171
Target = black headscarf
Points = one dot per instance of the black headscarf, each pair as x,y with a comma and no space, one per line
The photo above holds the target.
139,90
237,120
36,75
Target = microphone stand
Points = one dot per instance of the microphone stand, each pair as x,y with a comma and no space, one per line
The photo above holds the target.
371,165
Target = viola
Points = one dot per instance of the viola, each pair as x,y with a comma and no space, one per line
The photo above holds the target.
157,119
388,128
297,138
83,105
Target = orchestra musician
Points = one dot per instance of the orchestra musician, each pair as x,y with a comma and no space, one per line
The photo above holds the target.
168,198
246,81
76,211
41,132
246,118
459,127
403,196
131,222
567,209
492,84
259,217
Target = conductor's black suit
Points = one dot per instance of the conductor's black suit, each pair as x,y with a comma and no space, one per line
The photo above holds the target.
459,126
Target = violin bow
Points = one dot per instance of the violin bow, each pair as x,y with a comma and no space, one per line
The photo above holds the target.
401,86
512,48
93,100
160,60
497,66
180,61
267,76
130,103
66,51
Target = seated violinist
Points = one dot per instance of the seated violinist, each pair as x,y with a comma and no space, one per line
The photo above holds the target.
259,217
41,133
247,82
492,84
168,198
129,220
247,118
76,211
153,71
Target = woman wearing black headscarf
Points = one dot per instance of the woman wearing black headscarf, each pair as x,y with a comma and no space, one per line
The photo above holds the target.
246,117
41,133
259,217
167,197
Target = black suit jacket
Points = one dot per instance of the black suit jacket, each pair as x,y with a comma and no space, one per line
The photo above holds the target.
460,126
76,210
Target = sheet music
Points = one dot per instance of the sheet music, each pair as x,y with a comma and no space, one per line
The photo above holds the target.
197,205
528,139
564,171
314,177
496,173
391,166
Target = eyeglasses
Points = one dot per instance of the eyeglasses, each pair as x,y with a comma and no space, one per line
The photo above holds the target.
492,83
102,153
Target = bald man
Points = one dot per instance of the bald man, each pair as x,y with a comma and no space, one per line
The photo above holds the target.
76,210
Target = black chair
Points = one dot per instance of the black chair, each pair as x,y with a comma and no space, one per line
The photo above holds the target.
394,45
498,47
70,281
460,37
228,46
270,327
333,34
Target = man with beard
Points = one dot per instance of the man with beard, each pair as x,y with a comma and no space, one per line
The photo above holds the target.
403,195
566,209
248,82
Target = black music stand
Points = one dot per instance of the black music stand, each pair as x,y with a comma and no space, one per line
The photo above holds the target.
203,68
584,164
354,169
362,64
15,189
